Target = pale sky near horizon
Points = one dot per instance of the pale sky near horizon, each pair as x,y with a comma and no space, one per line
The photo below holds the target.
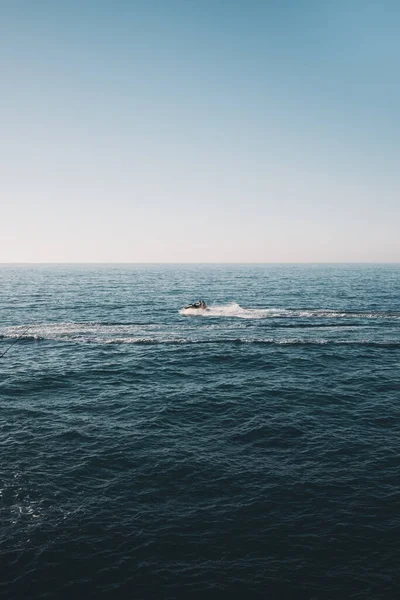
199,131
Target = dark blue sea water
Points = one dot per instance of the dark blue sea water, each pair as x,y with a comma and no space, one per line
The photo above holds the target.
248,451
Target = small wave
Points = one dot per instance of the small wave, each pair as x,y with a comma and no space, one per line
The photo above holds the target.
25,337
144,340
97,333
321,342
90,333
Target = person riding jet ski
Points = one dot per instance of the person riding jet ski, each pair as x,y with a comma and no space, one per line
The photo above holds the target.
200,304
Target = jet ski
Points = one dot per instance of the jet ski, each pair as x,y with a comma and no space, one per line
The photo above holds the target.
199,305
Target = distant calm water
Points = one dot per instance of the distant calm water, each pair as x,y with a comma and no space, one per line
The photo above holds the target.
252,451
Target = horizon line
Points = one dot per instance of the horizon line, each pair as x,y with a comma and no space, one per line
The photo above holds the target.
378,262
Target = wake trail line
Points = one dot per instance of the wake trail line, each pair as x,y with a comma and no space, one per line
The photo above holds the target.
15,341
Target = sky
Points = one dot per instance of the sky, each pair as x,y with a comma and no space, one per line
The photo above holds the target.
199,131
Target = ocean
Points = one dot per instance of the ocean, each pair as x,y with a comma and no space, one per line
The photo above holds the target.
247,451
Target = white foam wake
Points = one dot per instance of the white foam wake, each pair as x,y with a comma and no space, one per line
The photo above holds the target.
233,309
85,332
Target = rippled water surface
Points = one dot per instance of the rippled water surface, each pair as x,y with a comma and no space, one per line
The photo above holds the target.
249,450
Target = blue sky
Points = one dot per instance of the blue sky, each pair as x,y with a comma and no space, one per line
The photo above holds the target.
199,131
